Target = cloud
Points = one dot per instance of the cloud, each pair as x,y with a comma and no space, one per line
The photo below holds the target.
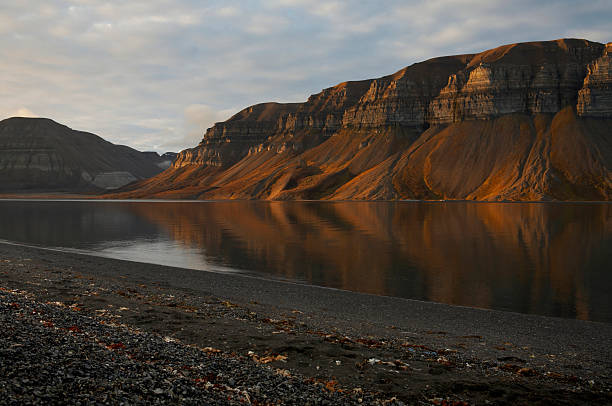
203,116
198,118
24,112
228,11
262,24
155,74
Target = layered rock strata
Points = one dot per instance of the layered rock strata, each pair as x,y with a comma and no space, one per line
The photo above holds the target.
595,97
39,154
546,96
521,78
227,142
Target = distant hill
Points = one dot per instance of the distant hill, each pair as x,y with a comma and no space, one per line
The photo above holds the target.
38,154
164,161
528,121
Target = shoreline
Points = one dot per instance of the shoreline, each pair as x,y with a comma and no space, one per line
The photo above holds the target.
560,356
272,278
62,196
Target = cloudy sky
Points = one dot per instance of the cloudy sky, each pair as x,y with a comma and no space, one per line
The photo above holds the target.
154,74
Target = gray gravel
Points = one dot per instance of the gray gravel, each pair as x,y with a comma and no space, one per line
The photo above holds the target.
61,341
53,354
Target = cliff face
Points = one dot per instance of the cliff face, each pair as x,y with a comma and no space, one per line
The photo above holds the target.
227,142
403,98
595,97
526,121
41,155
521,78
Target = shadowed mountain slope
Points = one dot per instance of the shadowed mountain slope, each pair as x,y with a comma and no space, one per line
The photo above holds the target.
38,154
529,121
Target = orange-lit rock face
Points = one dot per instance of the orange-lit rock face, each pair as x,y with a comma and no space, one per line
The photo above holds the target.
595,97
526,121
521,78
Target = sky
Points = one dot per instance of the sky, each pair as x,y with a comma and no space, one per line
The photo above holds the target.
154,74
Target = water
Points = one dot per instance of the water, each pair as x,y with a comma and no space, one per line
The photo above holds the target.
550,259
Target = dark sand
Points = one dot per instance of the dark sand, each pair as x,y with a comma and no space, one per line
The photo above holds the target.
415,351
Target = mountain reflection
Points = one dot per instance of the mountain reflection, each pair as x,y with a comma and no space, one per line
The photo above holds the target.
551,259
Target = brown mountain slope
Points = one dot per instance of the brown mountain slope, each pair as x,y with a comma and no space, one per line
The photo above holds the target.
513,157
528,121
38,154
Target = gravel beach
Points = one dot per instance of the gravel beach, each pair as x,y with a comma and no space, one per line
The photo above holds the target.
80,329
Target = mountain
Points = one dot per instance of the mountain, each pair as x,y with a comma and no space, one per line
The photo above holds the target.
164,161
528,121
38,154
169,158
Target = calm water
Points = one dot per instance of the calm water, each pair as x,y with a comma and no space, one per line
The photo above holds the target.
550,259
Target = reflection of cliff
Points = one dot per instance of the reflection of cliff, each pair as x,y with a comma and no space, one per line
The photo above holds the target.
70,224
543,257
296,241
546,259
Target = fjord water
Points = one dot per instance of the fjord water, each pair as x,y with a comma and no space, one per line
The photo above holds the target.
552,259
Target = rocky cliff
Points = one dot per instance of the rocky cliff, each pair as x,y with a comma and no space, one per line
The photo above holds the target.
595,97
529,121
227,142
38,154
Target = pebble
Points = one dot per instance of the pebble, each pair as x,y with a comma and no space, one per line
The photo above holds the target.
44,360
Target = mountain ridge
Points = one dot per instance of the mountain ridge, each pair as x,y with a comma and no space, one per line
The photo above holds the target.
421,133
40,154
